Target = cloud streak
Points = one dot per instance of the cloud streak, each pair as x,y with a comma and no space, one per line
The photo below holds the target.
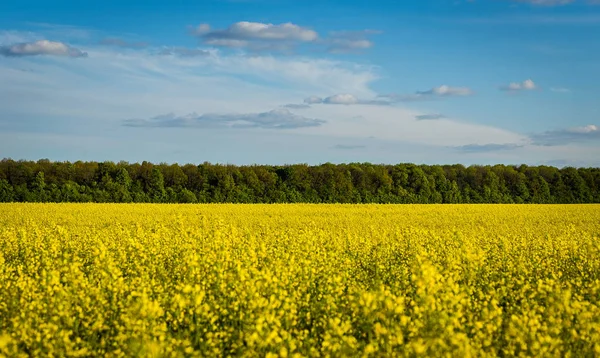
349,41
183,52
527,85
487,148
275,119
297,106
343,98
573,135
443,91
41,48
429,117
255,35
117,42
313,100
446,91
582,134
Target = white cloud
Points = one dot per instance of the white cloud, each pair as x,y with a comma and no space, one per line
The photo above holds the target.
341,99
399,124
258,37
346,45
590,128
296,106
349,41
41,47
344,98
256,30
255,35
112,85
313,100
324,75
62,31
396,97
231,93
447,91
200,29
183,52
227,42
527,85
486,148
280,118
429,117
65,99
581,134
118,42
8,37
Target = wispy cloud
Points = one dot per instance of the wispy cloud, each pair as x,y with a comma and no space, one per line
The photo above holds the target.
429,117
573,135
297,106
313,100
183,52
430,94
527,85
117,42
582,134
62,31
232,91
560,90
446,91
486,148
255,35
275,119
95,94
349,41
39,48
343,98
306,73
11,37
398,97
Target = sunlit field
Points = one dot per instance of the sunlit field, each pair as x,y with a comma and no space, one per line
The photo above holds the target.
299,280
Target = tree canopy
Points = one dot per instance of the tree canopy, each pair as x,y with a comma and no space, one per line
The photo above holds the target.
46,181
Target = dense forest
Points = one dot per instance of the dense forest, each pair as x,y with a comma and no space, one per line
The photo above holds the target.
46,181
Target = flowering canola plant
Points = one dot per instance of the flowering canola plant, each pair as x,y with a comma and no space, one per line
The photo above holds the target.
149,280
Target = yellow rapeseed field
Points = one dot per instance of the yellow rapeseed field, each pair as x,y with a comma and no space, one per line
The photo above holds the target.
299,280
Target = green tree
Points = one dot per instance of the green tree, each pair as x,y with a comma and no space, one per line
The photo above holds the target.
156,186
6,192
187,197
38,188
342,183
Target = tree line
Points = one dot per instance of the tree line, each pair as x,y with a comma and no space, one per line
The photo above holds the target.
109,182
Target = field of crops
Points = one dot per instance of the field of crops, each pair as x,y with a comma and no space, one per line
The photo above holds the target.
299,280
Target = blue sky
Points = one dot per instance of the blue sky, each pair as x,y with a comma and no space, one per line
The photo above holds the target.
264,81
